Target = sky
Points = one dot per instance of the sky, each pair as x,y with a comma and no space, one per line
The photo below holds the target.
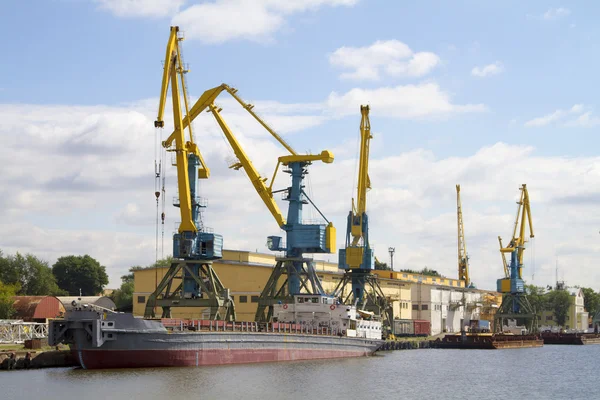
488,95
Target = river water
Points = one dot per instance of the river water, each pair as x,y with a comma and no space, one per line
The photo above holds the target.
551,372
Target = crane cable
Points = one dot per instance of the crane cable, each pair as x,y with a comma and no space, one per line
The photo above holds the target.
163,156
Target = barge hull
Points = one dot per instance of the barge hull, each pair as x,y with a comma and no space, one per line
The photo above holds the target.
99,359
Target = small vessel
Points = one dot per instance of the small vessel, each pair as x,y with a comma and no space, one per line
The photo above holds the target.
313,327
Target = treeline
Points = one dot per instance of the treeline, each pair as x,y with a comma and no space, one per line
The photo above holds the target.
559,301
424,271
123,296
28,275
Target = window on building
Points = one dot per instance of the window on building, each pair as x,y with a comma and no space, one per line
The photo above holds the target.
405,275
433,280
548,317
254,299
314,299
415,307
141,299
424,307
567,317
243,299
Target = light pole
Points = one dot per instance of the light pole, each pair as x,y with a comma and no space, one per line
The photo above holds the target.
391,250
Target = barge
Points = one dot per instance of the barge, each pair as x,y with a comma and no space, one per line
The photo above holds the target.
487,341
313,327
570,338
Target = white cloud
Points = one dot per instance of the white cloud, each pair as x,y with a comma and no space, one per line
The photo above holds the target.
554,116
81,181
141,8
487,70
390,57
585,120
404,101
222,20
556,13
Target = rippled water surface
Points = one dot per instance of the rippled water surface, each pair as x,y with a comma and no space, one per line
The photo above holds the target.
551,372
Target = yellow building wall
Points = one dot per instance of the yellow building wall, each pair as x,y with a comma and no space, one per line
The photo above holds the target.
547,317
416,278
246,274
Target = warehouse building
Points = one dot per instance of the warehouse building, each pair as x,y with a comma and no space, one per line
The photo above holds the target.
246,273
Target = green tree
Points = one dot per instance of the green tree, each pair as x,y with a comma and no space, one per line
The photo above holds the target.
591,301
537,298
163,262
559,301
381,266
32,275
7,292
75,273
123,297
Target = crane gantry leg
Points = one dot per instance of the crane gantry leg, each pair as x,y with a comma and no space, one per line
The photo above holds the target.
199,286
366,293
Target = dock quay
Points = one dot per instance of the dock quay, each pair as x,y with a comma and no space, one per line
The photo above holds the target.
28,359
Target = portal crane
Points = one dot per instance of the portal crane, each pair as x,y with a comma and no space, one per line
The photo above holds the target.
300,237
357,258
515,304
190,281
463,257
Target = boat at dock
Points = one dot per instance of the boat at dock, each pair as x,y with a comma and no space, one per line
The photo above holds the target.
487,341
313,327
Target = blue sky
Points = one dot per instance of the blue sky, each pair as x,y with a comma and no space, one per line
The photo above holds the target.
500,94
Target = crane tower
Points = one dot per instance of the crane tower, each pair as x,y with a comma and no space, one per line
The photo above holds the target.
357,258
515,303
190,280
463,257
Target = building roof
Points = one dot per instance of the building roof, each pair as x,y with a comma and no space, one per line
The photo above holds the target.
101,301
29,308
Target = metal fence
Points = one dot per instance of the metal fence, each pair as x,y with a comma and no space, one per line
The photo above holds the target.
17,331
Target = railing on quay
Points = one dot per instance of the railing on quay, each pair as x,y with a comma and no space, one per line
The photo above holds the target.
224,326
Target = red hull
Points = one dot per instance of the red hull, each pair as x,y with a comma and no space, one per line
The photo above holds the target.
98,359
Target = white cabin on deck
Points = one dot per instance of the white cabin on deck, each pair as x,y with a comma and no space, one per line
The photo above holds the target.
318,311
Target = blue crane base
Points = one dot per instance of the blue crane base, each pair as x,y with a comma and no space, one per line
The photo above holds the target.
290,276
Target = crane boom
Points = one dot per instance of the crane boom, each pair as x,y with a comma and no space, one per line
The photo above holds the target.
206,102
463,258
364,183
506,270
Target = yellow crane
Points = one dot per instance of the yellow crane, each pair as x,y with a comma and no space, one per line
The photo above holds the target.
463,257
301,237
357,258
515,304
190,281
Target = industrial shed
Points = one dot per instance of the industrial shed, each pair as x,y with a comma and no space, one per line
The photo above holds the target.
37,308
42,308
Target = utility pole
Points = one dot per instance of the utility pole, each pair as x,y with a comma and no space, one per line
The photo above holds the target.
392,250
